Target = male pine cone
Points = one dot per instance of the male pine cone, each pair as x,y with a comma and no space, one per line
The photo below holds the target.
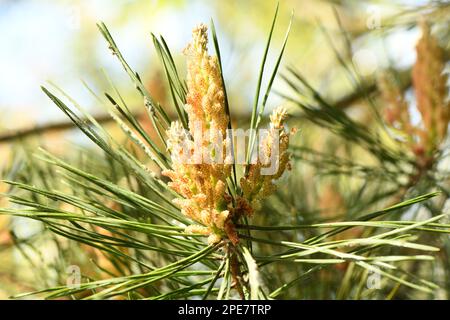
202,184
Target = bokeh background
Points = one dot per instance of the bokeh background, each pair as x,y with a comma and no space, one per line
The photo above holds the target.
58,41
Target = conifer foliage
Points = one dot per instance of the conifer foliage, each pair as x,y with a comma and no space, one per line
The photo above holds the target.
153,219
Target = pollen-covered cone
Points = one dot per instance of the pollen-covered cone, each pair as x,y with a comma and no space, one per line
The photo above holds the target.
205,98
396,113
430,85
272,162
200,167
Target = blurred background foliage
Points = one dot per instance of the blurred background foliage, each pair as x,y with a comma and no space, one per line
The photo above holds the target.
58,41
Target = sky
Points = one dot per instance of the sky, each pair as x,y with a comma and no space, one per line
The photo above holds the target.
40,42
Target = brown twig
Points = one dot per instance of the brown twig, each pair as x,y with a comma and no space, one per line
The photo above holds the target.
342,103
55,126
